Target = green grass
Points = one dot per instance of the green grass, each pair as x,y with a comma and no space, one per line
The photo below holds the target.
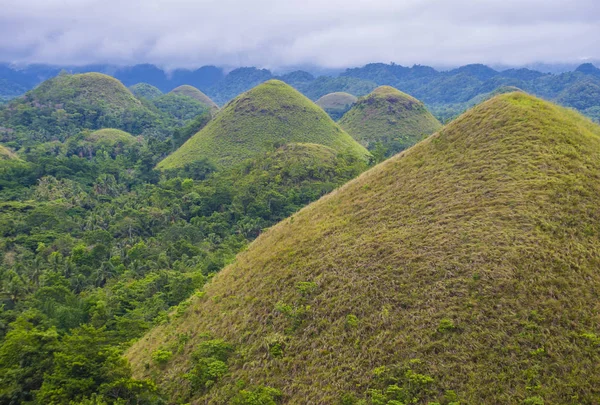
60,107
7,154
89,88
145,90
467,263
389,118
194,93
336,104
270,115
109,137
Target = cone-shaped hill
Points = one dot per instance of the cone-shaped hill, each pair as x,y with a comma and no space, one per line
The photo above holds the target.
389,118
336,104
111,137
113,141
196,94
259,120
66,104
464,269
145,90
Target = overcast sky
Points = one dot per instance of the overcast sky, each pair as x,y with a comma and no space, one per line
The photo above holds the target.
279,33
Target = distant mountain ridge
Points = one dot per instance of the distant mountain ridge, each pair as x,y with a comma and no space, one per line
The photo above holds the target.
446,93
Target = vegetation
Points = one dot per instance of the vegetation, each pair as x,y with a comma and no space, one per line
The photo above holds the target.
96,247
6,154
61,107
196,94
447,112
388,121
336,104
473,252
446,93
145,90
323,85
259,121
178,108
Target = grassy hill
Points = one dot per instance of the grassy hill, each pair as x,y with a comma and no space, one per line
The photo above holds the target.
194,93
270,115
389,118
112,141
7,154
336,104
63,106
111,137
145,90
464,269
179,108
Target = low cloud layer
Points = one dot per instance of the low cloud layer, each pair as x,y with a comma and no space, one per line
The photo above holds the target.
279,33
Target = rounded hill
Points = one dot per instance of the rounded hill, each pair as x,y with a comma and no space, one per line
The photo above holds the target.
265,117
112,141
145,90
464,269
196,94
389,119
336,104
87,88
66,104
110,137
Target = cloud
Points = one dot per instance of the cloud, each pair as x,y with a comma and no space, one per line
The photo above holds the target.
279,33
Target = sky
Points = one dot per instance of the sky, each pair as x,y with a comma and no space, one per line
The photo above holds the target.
279,33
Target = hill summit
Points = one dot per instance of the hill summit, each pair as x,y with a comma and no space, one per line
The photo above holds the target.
464,269
84,88
196,94
336,104
390,119
111,137
145,90
260,120
64,105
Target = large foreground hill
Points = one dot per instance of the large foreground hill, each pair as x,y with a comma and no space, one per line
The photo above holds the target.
463,269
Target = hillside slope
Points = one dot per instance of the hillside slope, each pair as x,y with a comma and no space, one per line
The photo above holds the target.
7,154
259,120
390,119
465,268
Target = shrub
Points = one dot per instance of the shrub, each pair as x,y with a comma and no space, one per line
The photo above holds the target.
161,357
258,396
209,363
351,321
446,325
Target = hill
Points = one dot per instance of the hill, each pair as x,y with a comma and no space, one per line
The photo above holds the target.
194,93
145,90
464,269
336,104
7,154
389,119
179,109
88,144
63,106
257,121
110,137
